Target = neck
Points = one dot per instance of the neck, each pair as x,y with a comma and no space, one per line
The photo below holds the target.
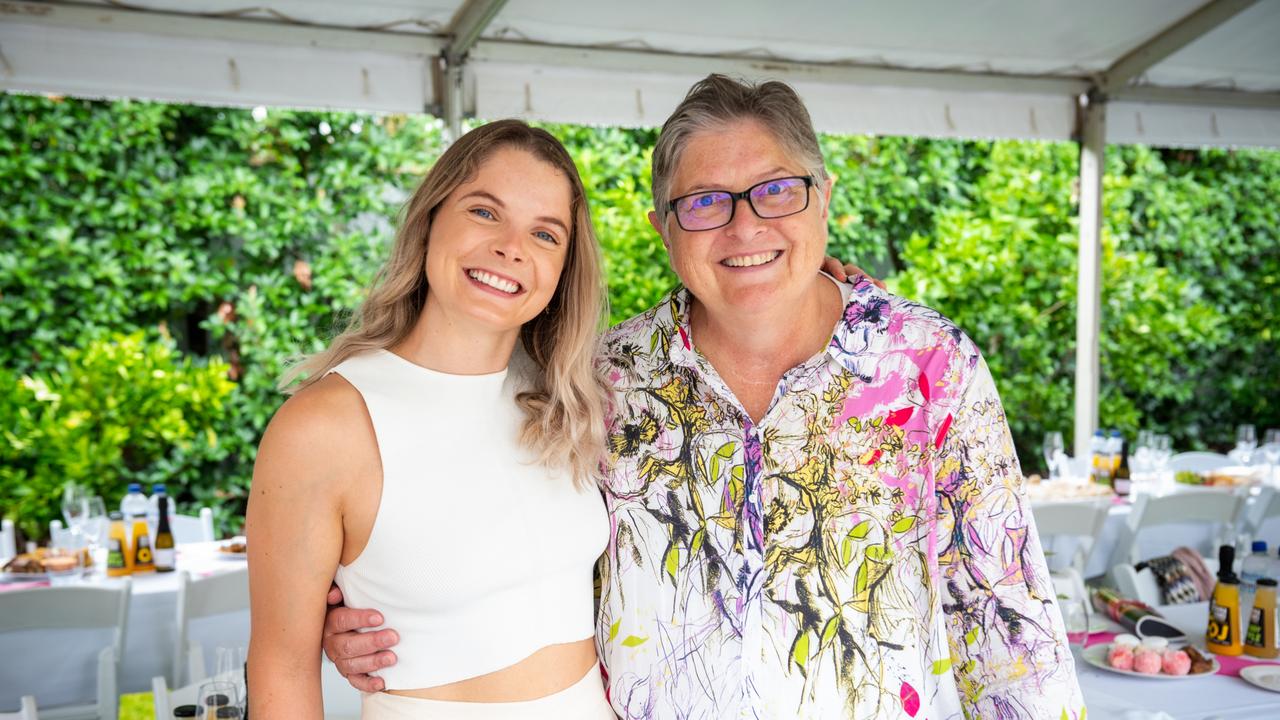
780,338
441,343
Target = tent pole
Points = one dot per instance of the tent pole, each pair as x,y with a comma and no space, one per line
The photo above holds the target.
452,101
1093,132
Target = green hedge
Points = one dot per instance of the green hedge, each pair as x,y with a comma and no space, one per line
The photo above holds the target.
214,244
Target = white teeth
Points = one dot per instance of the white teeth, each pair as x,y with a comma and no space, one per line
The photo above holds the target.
494,281
752,260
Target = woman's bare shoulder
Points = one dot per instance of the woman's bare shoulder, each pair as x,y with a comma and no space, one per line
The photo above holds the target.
325,425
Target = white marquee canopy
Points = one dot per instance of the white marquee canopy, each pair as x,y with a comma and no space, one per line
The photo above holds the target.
1160,72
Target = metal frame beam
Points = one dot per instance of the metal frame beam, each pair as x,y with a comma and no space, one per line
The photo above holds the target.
465,28
1093,133
1172,39
1200,97
638,61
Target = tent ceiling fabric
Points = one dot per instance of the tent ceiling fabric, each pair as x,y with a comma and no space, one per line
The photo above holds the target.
982,68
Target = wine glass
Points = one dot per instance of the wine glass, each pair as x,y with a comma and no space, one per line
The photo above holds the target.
1075,617
96,527
1271,450
1054,449
217,694
1246,442
73,505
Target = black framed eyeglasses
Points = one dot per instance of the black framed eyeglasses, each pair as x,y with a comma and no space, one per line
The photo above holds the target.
711,209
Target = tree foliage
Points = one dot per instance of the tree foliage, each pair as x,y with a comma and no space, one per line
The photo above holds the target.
210,243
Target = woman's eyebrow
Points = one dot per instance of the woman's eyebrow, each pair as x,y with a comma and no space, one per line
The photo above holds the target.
485,195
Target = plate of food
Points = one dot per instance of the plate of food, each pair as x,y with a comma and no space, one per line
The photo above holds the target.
237,549
38,565
1151,659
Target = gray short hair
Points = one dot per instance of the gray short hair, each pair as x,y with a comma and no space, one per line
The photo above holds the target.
717,100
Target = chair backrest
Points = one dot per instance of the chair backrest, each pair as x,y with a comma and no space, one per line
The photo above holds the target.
1081,521
1190,507
1198,461
160,698
8,540
26,712
1267,507
58,609
204,597
193,528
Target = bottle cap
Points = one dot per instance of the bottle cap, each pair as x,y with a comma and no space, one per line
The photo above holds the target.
186,711
1099,433
1268,582
1227,558
135,487
1115,432
157,488
1260,546
115,515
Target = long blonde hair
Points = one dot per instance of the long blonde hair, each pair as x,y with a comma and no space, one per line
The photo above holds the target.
563,401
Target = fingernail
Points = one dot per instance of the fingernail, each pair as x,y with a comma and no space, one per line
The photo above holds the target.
385,660
375,619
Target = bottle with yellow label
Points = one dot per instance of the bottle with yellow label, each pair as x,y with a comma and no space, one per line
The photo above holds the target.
143,560
119,557
1260,639
1224,635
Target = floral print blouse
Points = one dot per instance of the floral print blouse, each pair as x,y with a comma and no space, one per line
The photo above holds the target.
865,551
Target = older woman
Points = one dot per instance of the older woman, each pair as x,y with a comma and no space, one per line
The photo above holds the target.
815,506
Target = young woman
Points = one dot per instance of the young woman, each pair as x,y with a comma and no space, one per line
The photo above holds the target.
438,459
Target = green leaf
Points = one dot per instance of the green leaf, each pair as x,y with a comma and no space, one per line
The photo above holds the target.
800,651
846,552
633,641
904,524
829,630
673,560
613,629
941,666
971,637
726,450
860,530
696,545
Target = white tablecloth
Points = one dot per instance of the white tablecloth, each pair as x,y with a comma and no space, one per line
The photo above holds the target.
1110,696
34,655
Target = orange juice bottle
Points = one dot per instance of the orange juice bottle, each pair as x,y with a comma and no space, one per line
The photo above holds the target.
1225,634
119,554
143,560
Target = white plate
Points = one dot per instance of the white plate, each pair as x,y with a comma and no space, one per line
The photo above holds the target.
1266,677
1097,657
232,556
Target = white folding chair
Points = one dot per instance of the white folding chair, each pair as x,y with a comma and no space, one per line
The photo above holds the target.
1193,507
8,539
193,528
205,597
26,712
1081,522
1264,509
160,698
1198,461
63,609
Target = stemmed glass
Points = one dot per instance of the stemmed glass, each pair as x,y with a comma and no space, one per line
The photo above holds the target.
1246,442
1271,450
1075,617
1054,453
96,526
75,511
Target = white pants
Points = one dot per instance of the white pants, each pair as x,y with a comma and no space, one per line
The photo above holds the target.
584,700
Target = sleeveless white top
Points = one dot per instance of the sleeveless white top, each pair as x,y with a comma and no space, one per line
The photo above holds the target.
478,556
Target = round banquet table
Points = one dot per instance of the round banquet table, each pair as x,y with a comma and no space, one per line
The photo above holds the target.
150,638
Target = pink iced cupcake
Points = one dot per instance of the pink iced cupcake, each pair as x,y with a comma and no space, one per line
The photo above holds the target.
1175,662
1146,662
1120,657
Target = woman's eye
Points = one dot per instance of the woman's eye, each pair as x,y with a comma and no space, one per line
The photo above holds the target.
773,188
483,212
704,201
544,235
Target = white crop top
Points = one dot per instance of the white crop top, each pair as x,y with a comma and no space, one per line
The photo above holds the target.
478,556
